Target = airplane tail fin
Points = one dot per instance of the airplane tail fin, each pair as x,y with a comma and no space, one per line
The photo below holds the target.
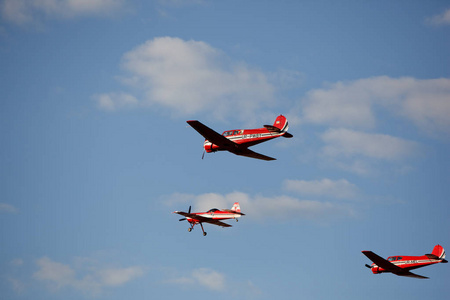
439,251
280,125
236,207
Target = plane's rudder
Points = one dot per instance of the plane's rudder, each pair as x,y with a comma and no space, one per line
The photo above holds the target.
439,251
281,123
236,207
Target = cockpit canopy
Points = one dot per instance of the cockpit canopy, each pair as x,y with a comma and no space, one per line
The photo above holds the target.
394,258
231,132
212,210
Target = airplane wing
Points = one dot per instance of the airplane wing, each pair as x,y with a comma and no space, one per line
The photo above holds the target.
388,266
203,219
212,135
410,274
249,153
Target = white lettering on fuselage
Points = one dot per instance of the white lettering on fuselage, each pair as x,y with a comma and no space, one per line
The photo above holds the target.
251,136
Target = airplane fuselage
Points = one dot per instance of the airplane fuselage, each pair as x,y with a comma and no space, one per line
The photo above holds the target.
214,215
246,137
406,262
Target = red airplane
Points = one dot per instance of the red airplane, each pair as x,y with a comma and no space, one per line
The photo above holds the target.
237,141
212,216
400,265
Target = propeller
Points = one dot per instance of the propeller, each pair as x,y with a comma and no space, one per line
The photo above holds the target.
367,266
203,155
189,211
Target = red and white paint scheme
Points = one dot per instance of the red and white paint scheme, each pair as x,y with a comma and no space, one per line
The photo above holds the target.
237,141
401,264
212,216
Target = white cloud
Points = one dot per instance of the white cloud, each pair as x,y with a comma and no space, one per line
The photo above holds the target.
259,207
115,101
17,285
7,208
439,20
22,12
350,143
210,279
90,279
326,187
366,153
116,277
203,277
17,262
189,77
338,105
57,273
426,103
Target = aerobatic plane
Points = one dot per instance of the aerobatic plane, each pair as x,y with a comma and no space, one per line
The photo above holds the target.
237,141
212,216
400,265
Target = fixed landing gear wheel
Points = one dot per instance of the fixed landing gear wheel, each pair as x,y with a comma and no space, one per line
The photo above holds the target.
189,229
204,233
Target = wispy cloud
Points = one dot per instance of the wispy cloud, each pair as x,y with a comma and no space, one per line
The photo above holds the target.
364,153
203,277
115,101
89,279
426,103
440,19
7,208
341,188
189,77
23,12
213,280
280,207
351,143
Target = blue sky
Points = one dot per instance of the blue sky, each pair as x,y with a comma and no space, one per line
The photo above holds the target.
95,152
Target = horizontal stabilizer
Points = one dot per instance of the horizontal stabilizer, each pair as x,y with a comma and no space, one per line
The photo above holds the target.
432,256
278,130
272,128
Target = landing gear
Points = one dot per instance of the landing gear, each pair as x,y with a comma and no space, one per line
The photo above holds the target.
192,227
204,233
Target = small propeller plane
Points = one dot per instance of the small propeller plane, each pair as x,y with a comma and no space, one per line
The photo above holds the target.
400,265
212,216
237,141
